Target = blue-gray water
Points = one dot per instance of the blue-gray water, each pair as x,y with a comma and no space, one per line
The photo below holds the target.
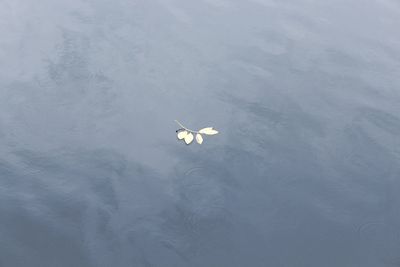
304,173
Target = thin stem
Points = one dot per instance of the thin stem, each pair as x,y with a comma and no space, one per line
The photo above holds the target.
180,124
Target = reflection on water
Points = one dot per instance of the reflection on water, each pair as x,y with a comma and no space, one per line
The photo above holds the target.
304,172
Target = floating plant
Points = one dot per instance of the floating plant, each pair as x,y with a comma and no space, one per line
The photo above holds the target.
188,135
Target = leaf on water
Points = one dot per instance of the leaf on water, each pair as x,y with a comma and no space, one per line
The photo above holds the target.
204,130
199,138
182,135
189,138
208,131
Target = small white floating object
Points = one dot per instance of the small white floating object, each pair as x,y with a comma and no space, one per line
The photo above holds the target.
182,135
199,138
188,135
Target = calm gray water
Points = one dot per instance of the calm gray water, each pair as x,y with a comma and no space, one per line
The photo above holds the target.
304,173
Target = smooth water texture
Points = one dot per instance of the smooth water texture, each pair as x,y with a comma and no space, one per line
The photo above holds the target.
305,171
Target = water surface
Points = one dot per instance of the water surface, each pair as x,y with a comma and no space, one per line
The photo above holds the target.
305,170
